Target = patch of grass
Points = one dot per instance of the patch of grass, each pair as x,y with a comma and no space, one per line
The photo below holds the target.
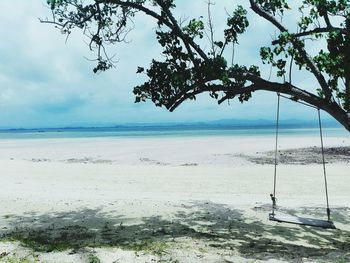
48,240
158,247
77,237
150,247
37,244
93,259
14,259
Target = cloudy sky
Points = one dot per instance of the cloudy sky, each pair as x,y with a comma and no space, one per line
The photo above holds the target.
46,82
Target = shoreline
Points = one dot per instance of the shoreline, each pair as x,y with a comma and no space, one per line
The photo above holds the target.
216,151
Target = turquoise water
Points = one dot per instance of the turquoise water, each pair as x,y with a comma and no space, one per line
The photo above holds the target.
166,131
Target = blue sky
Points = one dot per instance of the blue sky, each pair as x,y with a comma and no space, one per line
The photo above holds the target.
45,82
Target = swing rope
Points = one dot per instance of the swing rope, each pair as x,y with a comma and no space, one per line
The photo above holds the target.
273,196
324,166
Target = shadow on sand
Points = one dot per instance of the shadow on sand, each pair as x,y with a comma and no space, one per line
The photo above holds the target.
219,227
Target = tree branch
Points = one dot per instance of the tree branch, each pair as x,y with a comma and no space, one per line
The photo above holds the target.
177,29
138,7
86,19
313,31
308,60
256,8
260,84
326,19
211,28
169,24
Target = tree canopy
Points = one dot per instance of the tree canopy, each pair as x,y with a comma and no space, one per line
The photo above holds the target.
189,69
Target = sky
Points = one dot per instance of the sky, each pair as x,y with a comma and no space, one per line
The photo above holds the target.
48,82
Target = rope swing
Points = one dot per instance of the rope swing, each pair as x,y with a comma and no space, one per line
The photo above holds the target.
294,219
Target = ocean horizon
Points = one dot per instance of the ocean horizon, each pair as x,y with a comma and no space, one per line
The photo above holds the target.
175,130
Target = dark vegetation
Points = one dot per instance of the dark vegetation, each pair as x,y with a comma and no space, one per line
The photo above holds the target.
304,156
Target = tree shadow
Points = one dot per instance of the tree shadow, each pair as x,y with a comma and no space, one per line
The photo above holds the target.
220,227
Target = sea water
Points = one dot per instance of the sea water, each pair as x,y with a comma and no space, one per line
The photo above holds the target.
169,131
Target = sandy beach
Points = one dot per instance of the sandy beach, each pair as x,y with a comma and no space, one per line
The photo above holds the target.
192,199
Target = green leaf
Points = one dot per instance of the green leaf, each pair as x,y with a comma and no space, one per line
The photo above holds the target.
140,70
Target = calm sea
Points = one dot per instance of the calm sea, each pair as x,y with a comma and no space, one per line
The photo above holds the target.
167,131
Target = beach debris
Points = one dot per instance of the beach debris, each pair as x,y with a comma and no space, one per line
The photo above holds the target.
4,254
301,156
87,160
189,164
153,162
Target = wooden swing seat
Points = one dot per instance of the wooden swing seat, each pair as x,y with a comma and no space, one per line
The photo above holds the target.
302,221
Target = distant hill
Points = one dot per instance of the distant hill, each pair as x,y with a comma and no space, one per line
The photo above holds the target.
271,123
237,123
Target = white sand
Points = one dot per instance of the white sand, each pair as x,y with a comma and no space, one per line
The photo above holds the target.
185,199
